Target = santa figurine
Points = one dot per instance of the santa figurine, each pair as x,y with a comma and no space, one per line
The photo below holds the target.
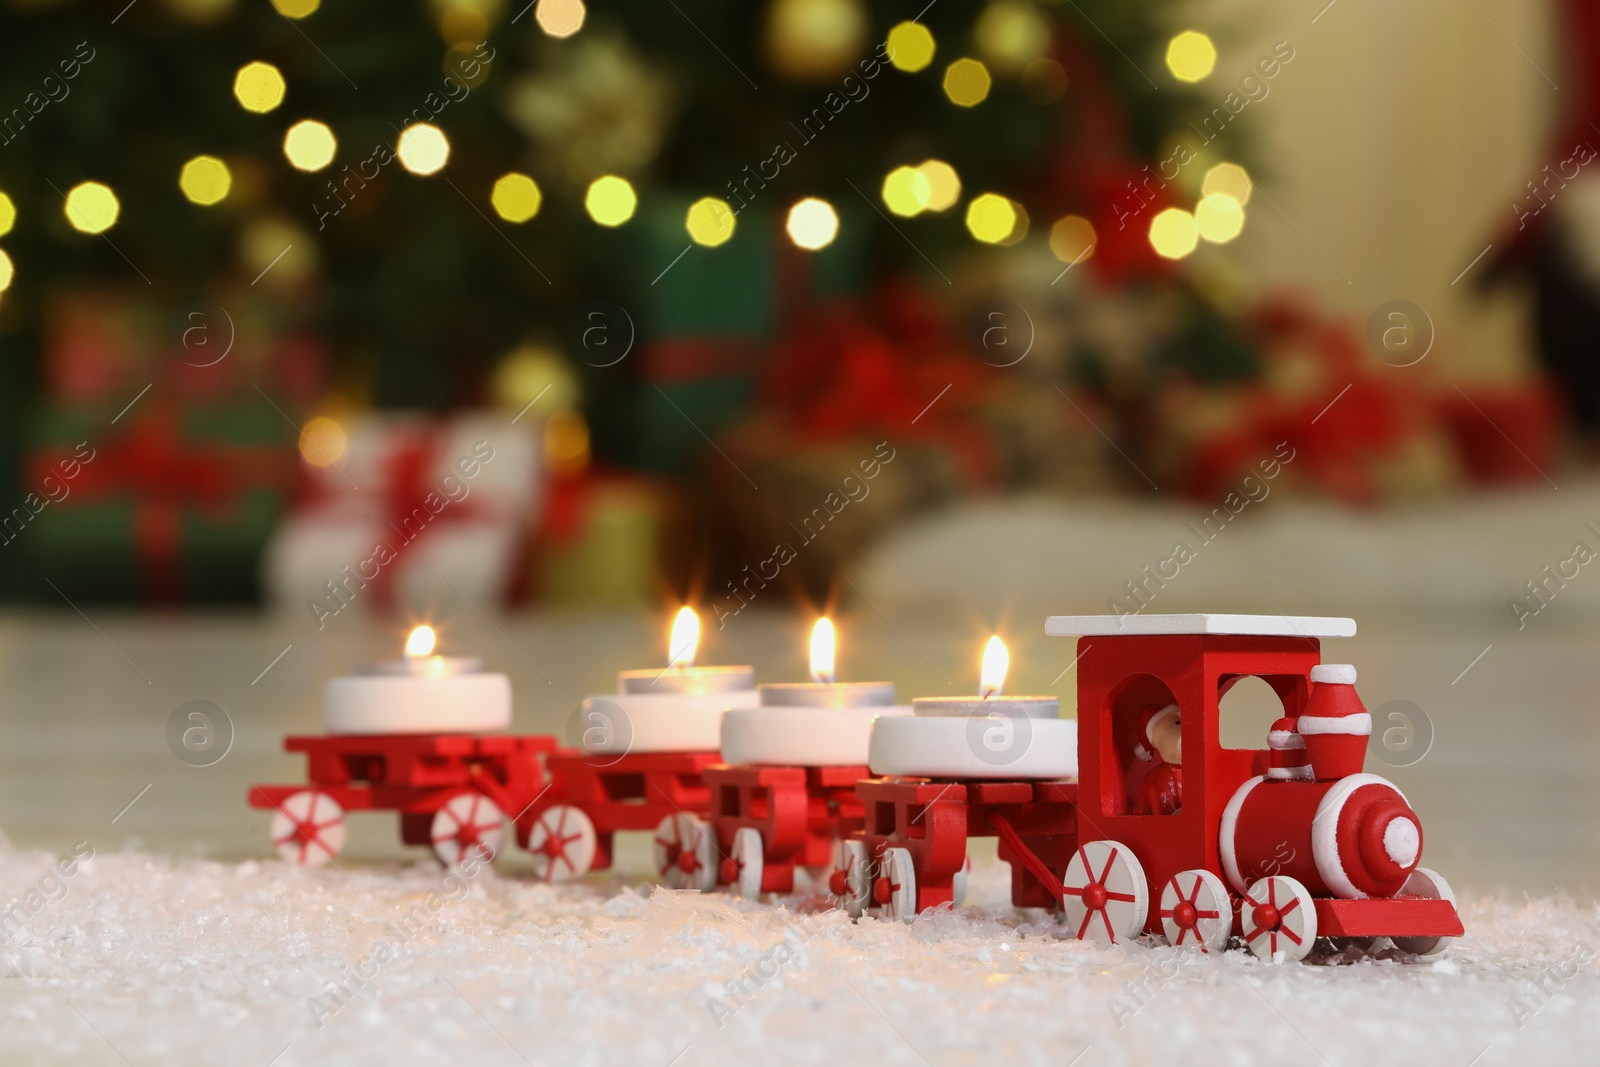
1161,742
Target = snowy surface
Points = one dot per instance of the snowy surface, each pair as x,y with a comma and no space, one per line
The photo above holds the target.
142,958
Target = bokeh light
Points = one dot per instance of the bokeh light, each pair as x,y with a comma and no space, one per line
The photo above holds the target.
944,184
994,219
1219,218
423,148
1011,34
1173,233
966,82
516,197
710,221
906,191
258,87
812,224
92,207
911,47
1072,239
8,214
566,443
814,40
309,145
1191,56
296,9
611,200
322,441
560,18
6,271
1229,179
205,180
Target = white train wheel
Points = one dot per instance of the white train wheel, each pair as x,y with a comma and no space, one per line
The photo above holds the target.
668,847
896,884
562,844
1195,911
1426,883
747,860
1107,898
469,824
308,828
697,859
1280,920
958,884
851,880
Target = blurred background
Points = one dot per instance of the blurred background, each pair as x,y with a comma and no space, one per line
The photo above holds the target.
941,316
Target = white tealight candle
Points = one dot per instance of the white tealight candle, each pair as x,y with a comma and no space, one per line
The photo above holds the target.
677,708
983,736
821,723
420,694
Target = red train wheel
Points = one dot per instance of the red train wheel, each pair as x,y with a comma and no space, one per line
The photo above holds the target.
1280,920
469,824
1195,911
562,844
308,828
1107,898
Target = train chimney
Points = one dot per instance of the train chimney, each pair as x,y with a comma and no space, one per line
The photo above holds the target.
1335,725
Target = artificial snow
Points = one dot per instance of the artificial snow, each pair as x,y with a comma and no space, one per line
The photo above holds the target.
138,958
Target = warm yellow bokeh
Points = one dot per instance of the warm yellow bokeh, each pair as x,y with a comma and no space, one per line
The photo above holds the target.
1230,179
907,191
560,18
258,87
1011,34
309,145
966,82
812,224
710,221
1219,218
8,214
322,441
296,9
911,47
566,443
423,148
944,184
994,219
6,271
1072,239
205,180
516,197
1191,56
92,207
1173,233
611,200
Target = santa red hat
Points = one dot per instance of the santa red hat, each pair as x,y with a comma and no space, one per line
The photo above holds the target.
1144,747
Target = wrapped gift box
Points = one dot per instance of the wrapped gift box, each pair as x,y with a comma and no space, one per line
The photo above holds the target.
169,503
415,512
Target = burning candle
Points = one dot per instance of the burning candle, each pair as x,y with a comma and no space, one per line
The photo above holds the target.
676,708
420,693
824,690
986,736
821,723
991,680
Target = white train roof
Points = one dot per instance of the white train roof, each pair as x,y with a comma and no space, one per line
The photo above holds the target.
1245,625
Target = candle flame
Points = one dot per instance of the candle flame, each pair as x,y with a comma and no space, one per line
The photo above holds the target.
685,638
823,644
996,661
420,641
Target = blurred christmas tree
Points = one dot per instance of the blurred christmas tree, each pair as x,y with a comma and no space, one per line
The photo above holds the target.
422,262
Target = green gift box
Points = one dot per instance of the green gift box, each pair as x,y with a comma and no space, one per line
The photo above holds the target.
165,504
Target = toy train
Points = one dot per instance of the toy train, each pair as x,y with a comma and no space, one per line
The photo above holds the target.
1134,820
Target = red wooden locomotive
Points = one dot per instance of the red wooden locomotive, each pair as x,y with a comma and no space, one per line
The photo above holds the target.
1165,831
